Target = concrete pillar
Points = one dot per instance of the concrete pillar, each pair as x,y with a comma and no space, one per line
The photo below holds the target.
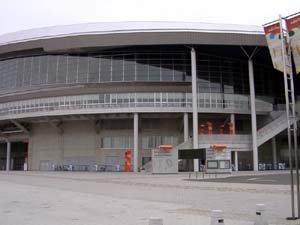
236,160
274,150
185,127
8,149
195,106
253,115
232,121
135,142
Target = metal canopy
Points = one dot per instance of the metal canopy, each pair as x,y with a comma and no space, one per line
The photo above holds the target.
59,38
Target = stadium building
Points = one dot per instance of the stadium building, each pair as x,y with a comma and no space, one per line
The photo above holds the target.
77,97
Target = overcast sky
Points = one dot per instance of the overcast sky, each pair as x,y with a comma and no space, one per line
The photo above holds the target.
26,14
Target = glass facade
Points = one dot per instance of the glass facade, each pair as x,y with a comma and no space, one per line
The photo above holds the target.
119,142
34,71
216,74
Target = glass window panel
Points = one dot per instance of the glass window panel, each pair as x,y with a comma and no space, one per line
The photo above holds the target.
20,72
94,66
129,68
35,80
82,69
101,98
154,72
106,142
27,71
43,69
10,73
52,68
1,74
117,69
62,69
4,74
72,69
142,70
105,73
178,72
167,72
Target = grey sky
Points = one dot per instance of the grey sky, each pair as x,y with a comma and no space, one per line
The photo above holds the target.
26,14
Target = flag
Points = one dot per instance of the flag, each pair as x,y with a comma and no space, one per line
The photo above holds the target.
273,37
293,25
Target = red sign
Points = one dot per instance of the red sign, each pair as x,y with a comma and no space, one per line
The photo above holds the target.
165,147
274,29
293,22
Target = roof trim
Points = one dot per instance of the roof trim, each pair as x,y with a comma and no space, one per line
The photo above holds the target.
116,29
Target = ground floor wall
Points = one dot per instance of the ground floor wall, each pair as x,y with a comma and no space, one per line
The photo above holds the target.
84,145
90,144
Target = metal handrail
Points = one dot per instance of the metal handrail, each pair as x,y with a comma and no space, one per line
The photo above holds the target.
131,100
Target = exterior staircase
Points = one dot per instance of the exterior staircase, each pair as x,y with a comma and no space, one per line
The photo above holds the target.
274,124
277,125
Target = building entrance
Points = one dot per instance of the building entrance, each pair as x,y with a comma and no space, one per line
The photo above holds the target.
18,156
186,159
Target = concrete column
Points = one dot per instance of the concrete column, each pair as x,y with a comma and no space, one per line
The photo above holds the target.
253,115
274,150
185,127
236,160
135,142
195,107
8,149
232,120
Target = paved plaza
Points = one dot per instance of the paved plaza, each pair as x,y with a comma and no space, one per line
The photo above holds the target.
77,198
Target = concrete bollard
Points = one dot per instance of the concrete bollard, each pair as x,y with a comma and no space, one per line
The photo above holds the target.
216,217
155,221
260,217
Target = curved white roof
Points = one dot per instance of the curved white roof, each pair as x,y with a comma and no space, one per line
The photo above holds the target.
105,34
125,27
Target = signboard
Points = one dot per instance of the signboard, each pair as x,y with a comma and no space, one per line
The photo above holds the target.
293,25
164,161
272,33
218,161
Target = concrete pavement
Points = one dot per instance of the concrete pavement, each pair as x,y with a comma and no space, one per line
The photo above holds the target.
77,198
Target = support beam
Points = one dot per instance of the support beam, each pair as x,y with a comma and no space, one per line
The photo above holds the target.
236,158
20,126
185,127
98,124
8,150
232,121
135,141
253,115
236,161
253,108
3,135
274,151
56,126
195,106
